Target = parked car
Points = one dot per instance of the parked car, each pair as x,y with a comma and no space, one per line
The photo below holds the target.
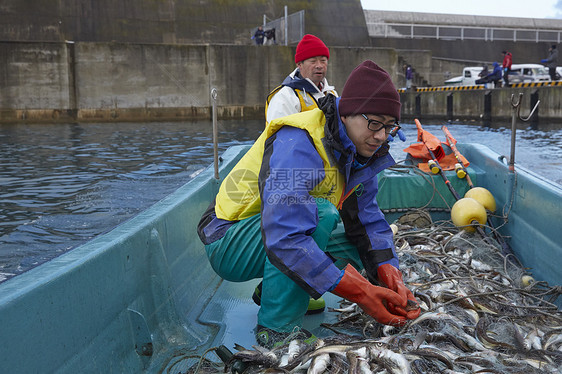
468,77
528,73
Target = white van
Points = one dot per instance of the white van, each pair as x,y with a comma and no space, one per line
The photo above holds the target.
528,73
468,77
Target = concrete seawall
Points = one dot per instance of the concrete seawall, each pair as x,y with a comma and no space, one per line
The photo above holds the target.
61,82
336,22
111,82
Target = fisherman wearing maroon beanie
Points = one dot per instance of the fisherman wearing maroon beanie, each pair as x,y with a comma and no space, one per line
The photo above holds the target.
275,214
369,95
301,90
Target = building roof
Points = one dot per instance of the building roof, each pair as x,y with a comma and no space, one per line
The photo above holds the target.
378,16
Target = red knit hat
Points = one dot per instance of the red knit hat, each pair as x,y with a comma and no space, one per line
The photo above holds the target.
369,90
310,46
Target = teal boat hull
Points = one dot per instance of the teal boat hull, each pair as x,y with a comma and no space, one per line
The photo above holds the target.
143,295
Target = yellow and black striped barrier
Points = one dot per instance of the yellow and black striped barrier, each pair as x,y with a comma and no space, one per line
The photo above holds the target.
451,88
443,88
537,84
478,87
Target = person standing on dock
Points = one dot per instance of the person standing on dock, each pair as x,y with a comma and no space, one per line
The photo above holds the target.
506,65
302,88
276,211
551,62
270,37
409,76
259,35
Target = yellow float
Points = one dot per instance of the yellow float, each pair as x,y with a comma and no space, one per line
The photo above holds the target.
483,196
527,280
467,210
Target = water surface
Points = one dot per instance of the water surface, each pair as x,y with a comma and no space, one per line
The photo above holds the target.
63,184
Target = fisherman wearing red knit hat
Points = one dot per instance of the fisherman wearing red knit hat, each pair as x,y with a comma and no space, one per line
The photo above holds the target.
302,88
275,213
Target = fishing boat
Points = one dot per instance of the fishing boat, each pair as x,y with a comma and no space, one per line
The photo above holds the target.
143,297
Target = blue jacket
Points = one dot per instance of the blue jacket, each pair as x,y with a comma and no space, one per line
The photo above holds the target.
286,227
409,73
496,74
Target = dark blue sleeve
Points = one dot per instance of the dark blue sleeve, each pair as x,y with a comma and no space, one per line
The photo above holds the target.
291,168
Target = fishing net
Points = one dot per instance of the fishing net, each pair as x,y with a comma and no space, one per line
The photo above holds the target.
474,299
480,312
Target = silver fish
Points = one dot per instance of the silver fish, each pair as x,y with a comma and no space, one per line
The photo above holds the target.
394,363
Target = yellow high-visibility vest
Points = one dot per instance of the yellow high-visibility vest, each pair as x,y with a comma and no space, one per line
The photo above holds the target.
239,196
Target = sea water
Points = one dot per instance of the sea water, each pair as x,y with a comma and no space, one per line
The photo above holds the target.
63,184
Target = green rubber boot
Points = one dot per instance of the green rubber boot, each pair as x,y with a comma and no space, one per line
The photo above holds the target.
314,305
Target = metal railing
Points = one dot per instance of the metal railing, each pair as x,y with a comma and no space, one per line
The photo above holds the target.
291,27
287,30
452,32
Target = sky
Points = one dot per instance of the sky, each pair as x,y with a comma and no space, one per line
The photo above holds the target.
499,8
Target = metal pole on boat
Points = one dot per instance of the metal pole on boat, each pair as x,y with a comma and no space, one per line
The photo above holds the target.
214,95
516,113
286,25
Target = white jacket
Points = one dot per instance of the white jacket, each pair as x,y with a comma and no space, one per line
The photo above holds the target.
285,102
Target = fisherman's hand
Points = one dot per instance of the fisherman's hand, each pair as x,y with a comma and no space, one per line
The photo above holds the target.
400,134
392,278
372,299
543,60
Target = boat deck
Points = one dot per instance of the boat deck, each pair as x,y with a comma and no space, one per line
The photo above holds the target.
231,314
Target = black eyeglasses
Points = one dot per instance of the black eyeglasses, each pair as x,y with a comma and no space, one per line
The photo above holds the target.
374,125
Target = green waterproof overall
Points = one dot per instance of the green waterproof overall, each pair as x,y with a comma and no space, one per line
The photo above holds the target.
240,256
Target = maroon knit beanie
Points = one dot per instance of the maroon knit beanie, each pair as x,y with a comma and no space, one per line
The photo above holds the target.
369,90
310,46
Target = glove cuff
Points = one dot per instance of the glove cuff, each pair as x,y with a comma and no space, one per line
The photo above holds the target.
352,285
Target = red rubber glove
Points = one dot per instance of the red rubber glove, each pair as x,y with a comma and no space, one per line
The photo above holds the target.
392,277
372,299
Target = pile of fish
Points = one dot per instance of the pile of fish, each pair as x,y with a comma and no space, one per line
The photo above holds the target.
481,313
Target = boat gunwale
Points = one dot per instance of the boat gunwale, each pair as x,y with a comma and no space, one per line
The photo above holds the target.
45,273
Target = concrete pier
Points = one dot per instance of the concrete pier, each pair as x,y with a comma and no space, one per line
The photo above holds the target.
92,61
487,107
111,82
